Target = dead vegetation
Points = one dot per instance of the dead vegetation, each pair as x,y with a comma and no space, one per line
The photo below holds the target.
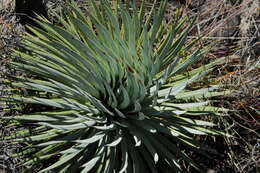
236,25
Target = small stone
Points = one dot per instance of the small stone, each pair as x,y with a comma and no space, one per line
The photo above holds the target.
211,171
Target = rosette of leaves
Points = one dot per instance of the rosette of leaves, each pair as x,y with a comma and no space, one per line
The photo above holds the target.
113,82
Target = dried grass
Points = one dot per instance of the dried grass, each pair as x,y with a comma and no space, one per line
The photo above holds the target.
236,27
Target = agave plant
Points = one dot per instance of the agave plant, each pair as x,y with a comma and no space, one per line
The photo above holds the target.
114,83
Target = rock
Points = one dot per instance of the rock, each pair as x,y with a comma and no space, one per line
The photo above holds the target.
211,171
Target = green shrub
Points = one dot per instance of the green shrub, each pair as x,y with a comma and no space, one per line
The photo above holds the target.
114,83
